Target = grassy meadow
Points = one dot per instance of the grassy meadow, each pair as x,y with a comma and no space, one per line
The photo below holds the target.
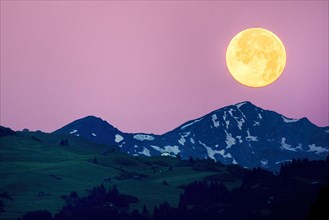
36,170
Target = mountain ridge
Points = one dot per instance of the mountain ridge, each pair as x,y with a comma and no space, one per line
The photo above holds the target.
241,134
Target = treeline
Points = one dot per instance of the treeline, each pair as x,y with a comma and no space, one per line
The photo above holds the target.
101,203
305,167
295,193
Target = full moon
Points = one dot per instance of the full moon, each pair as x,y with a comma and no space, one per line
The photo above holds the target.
256,57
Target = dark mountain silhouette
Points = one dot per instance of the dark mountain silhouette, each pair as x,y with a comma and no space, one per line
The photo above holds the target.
6,131
241,134
93,129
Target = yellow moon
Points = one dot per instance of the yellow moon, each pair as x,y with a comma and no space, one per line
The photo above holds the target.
256,57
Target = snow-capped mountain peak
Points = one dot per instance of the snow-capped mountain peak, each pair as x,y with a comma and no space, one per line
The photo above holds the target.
241,134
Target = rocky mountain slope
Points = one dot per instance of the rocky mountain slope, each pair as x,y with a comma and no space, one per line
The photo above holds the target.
241,134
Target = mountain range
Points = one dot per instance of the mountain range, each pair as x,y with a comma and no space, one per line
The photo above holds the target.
241,134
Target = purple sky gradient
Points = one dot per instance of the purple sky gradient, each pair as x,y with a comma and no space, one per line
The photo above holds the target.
151,66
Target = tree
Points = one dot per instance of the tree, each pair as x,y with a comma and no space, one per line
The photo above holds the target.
95,160
38,215
191,160
64,142
1,207
145,211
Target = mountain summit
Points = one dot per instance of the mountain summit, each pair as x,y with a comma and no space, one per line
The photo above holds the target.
91,128
241,134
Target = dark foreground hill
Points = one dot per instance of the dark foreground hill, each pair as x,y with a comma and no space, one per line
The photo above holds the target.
261,195
67,176
38,169
6,131
241,134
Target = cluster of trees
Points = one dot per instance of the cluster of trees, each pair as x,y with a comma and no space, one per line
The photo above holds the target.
306,168
4,195
64,142
1,207
262,195
101,203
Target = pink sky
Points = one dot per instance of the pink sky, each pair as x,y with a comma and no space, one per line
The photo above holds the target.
151,66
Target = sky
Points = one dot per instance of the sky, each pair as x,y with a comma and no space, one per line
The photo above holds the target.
151,66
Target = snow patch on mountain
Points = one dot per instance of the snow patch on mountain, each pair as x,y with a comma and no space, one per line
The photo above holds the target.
118,138
191,123
74,131
214,120
282,161
165,154
145,152
264,162
299,147
167,149
172,149
240,122
289,120
186,134
156,148
317,149
182,141
239,138
210,151
230,141
222,152
250,138
242,113
285,146
230,112
227,124
240,104
143,137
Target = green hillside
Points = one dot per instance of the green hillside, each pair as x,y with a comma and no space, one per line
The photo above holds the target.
37,168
